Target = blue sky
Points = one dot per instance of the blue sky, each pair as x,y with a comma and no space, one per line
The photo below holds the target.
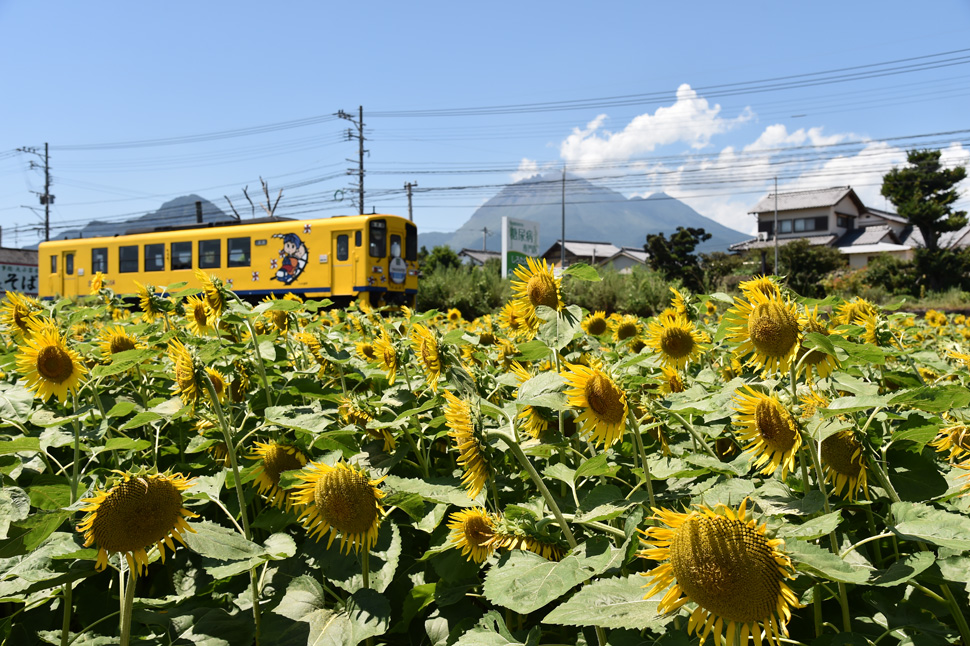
708,102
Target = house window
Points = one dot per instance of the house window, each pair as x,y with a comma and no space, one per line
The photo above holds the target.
99,260
181,255
237,252
784,226
128,259
842,221
802,225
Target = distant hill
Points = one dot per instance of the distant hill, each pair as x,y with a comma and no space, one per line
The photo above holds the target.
593,213
179,211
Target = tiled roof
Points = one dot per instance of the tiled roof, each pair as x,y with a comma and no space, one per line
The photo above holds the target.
587,249
639,255
804,199
879,247
875,234
478,255
755,243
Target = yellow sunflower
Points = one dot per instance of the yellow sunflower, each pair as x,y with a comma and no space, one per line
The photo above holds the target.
767,326
536,285
625,327
135,514
824,364
677,341
602,402
365,350
114,339
150,303
353,413
764,285
770,430
851,312
595,324
428,353
343,500
97,282
275,459
16,313
386,355
724,564
679,303
218,383
458,417
197,316
533,422
518,540
315,349
47,365
844,464
454,317
472,530
279,319
955,439
519,325
215,300
186,384
671,381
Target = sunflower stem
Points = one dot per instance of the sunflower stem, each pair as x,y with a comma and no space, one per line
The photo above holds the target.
817,608
417,453
259,360
693,432
66,597
647,479
537,479
126,609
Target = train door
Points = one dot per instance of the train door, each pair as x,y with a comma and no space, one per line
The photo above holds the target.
68,273
342,272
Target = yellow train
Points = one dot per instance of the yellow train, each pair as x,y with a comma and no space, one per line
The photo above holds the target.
341,258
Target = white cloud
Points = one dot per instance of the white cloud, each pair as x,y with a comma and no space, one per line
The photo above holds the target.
529,168
691,120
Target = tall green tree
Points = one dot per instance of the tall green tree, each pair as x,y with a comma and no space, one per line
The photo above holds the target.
675,258
924,193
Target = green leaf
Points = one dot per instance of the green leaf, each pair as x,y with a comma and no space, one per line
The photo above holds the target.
142,418
853,404
919,522
301,418
582,271
559,330
934,399
814,528
220,543
918,428
344,569
125,444
611,603
24,536
903,570
49,492
365,614
604,502
811,558
14,506
595,466
560,471
121,409
533,351
437,490
545,389
16,402
860,353
524,582
20,445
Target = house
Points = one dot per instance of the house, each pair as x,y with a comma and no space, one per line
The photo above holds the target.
836,217
477,257
576,251
624,260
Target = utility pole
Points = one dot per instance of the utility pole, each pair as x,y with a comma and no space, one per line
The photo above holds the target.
484,236
408,186
562,245
359,135
46,199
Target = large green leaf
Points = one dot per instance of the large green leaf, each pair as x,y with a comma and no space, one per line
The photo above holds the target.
14,506
15,402
523,581
20,445
814,528
367,613
903,570
817,561
582,271
934,399
919,522
545,389
611,603
344,570
438,490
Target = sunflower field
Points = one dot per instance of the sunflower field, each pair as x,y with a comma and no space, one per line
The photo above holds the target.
757,468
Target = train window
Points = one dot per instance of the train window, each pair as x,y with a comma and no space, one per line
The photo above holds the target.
209,254
128,259
69,264
237,252
357,238
395,246
181,255
343,247
155,257
410,242
53,264
378,238
99,260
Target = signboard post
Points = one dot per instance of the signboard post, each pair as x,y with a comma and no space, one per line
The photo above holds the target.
520,240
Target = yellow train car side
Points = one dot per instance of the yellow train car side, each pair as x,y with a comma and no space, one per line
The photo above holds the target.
342,258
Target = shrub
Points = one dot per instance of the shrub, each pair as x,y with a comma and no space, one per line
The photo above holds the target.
473,290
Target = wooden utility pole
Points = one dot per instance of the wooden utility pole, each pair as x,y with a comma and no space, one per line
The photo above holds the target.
359,135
